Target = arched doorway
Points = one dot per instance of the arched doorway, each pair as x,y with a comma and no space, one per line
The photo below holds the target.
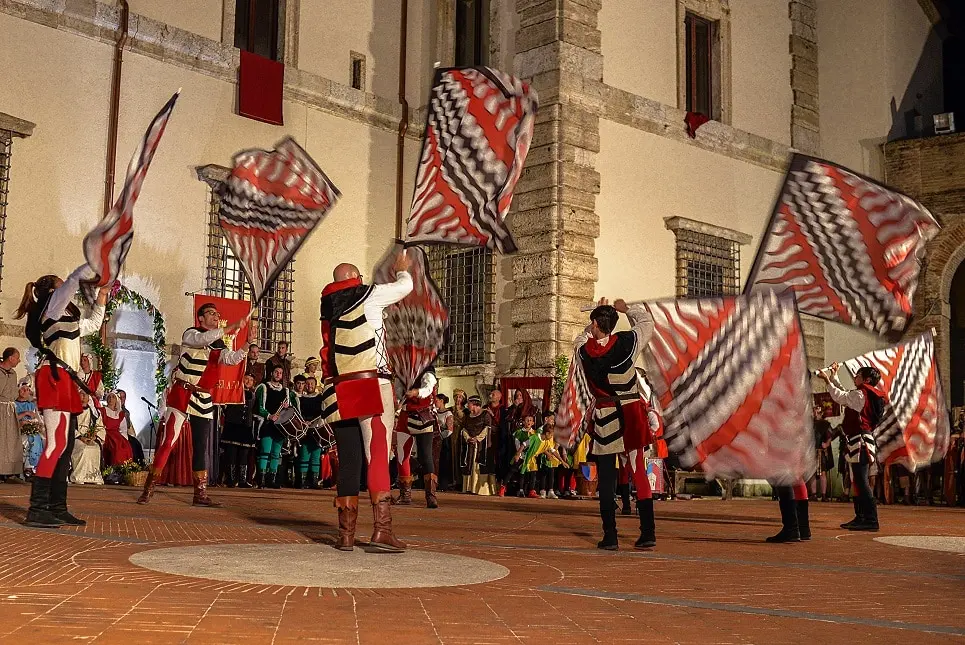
956,338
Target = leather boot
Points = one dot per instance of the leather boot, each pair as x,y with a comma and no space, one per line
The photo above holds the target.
229,480
310,481
148,491
609,517
58,504
348,515
858,518
789,530
648,532
260,480
382,537
405,491
626,509
273,481
243,477
38,514
431,482
201,490
803,520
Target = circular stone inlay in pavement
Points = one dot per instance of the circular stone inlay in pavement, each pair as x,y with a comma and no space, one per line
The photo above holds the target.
314,565
952,544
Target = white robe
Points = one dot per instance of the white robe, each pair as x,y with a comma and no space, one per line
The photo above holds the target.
86,459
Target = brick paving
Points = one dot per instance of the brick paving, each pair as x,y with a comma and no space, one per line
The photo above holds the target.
711,579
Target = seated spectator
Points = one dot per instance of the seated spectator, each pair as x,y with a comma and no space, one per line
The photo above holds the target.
31,427
89,437
117,448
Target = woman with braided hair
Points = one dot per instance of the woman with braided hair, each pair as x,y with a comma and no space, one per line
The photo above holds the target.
54,325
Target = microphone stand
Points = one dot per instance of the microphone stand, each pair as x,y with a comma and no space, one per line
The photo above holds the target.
153,428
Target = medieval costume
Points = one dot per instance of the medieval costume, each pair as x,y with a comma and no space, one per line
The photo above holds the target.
310,450
11,446
117,449
477,461
238,439
621,423
863,409
31,426
277,360
417,425
255,370
55,325
189,400
93,379
356,371
446,422
270,398
86,453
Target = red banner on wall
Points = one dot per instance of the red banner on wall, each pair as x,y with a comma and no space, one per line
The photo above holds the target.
228,387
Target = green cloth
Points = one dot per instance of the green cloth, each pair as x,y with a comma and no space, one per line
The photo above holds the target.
269,454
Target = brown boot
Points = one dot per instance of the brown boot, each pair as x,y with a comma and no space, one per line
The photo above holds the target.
382,537
201,490
405,491
431,482
348,515
148,491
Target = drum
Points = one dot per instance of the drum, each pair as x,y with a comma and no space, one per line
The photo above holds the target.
291,423
322,433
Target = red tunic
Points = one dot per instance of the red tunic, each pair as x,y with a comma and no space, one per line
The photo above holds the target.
117,448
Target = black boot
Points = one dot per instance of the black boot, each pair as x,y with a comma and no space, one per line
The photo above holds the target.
243,477
58,504
648,532
869,516
38,514
260,480
310,481
272,481
609,517
858,519
229,479
803,521
626,509
789,532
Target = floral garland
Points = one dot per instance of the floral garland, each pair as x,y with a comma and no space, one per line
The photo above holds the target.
121,295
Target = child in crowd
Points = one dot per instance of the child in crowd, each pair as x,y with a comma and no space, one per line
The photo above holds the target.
548,459
31,427
518,475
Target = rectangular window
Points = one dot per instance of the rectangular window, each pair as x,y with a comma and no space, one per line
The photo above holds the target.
702,65
466,278
225,278
707,266
256,27
6,142
472,32
357,70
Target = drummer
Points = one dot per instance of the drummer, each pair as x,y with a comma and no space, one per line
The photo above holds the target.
274,405
310,451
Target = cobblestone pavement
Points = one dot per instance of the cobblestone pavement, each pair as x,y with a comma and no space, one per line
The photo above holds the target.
712,579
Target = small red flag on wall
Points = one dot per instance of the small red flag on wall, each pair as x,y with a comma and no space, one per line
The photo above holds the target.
261,83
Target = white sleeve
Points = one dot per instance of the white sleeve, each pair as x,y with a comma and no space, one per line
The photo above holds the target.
63,294
194,338
92,324
642,324
384,295
853,399
653,421
582,339
232,356
429,382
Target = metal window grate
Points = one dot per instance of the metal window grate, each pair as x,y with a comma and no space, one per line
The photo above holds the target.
6,143
466,278
225,278
707,266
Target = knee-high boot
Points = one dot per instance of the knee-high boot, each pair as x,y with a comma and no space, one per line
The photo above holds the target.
405,491
39,515
348,515
382,537
201,490
58,504
608,514
803,519
431,482
626,509
648,531
789,530
148,491
243,477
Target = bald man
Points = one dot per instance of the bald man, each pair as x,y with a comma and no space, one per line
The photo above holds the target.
358,379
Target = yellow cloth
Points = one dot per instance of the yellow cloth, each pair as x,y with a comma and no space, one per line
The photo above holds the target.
582,450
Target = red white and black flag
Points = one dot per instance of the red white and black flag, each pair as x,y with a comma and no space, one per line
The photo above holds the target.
847,246
731,377
914,430
478,132
107,244
576,404
417,327
270,204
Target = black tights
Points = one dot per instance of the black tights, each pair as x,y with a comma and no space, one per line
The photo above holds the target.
866,495
607,473
200,428
351,456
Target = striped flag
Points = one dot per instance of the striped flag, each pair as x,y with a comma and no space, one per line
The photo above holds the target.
576,405
848,247
270,204
914,430
106,246
731,377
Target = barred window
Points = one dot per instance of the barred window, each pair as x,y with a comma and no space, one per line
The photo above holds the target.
225,278
466,278
6,143
707,266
